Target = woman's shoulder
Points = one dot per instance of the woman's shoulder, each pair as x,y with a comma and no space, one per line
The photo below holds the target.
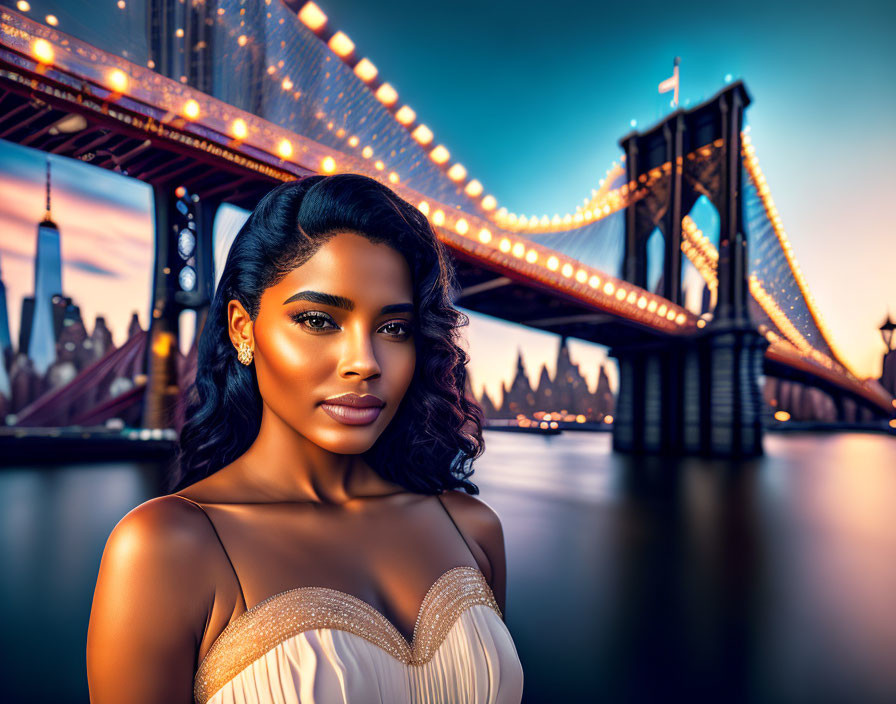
162,533
481,522
475,512
477,519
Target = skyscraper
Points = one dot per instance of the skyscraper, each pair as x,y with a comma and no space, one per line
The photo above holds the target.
5,339
47,283
5,345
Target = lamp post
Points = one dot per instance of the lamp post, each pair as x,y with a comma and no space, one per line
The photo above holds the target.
888,373
886,332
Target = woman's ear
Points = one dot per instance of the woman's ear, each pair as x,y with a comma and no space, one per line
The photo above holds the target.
239,325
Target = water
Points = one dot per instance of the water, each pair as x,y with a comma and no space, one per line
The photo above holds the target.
772,580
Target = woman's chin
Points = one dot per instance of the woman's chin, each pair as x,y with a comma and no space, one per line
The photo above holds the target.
342,443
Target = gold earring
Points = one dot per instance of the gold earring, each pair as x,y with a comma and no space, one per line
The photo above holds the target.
244,353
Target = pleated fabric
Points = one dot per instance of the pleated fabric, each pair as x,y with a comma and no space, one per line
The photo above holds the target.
476,663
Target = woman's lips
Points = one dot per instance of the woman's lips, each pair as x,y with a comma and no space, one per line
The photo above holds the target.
350,415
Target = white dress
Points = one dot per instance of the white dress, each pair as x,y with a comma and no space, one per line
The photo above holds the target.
316,645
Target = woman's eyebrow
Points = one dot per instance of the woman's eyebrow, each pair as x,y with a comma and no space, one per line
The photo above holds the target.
328,299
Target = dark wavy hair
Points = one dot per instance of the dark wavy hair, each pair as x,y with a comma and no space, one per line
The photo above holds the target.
436,433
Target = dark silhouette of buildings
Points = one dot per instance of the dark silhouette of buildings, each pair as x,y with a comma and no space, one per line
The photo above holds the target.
566,393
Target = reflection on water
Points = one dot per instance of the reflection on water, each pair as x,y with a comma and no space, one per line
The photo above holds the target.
772,580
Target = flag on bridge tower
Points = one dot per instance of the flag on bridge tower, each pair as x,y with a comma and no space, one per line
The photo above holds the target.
671,83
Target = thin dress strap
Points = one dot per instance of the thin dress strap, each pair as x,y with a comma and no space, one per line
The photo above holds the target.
212,523
458,529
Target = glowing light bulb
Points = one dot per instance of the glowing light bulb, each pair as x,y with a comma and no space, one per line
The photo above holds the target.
386,94
473,189
191,109
423,207
52,20
118,81
440,155
489,203
422,134
365,70
341,45
553,263
23,6
312,16
328,165
457,172
42,51
461,227
284,149
405,115
393,177
239,129
485,236
367,152
438,218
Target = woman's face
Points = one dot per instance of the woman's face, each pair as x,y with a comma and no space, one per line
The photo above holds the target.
341,323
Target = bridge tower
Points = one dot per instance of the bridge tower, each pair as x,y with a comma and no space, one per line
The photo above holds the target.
700,394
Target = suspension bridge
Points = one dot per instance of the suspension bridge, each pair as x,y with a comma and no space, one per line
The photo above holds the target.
678,259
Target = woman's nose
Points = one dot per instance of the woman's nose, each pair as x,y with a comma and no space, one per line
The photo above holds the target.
358,355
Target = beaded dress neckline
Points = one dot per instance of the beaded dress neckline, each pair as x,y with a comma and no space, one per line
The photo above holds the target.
285,614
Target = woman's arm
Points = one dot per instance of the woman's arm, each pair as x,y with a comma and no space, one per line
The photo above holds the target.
150,606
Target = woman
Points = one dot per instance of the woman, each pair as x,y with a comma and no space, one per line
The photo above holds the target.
317,546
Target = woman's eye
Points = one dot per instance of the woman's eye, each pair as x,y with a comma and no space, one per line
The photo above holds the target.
397,328
314,321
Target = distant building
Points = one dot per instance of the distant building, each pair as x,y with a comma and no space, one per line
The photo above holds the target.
5,338
41,343
567,392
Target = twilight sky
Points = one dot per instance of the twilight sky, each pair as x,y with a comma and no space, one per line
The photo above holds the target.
532,99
